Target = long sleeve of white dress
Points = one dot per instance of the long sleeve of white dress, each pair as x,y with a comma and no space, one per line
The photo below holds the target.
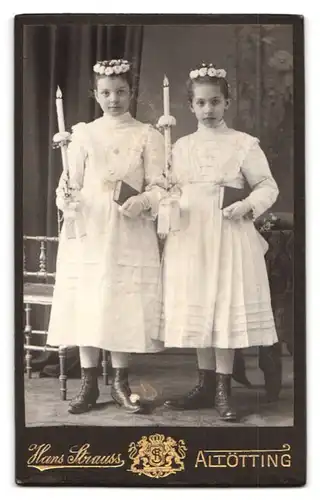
256,170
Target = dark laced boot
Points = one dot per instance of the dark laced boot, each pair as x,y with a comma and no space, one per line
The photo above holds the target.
201,396
88,394
239,369
222,399
270,364
121,392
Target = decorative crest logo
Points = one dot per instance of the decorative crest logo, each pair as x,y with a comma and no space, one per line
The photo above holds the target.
156,456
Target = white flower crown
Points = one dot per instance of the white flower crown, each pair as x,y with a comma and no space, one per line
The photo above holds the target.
207,70
112,67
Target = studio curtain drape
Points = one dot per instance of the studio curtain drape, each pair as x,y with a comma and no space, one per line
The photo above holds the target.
61,55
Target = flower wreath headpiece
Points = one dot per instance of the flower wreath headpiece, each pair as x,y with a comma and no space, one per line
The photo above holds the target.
112,67
207,70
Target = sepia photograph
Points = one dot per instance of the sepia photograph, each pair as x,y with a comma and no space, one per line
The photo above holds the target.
158,224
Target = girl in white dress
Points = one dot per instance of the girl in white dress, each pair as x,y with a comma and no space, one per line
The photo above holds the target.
107,281
216,290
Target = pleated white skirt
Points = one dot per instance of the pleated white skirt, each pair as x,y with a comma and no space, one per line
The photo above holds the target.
215,283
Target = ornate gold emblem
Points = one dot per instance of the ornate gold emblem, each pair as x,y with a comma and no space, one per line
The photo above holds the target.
157,456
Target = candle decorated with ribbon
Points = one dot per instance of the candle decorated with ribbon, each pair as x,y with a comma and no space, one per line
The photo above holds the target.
62,130
70,221
167,129
169,211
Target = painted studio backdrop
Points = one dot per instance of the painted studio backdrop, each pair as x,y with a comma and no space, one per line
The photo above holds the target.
258,61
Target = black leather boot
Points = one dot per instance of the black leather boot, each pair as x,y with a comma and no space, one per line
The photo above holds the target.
222,399
201,396
88,394
121,392
239,369
270,364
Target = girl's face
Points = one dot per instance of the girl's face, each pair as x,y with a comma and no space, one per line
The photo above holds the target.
113,95
208,104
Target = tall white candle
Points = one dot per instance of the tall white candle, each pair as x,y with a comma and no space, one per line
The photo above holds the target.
166,96
165,205
60,114
70,223
61,127
167,130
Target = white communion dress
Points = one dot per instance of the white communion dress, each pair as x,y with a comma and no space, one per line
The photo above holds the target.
107,282
216,289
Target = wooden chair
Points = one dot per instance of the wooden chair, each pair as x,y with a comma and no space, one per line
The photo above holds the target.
39,292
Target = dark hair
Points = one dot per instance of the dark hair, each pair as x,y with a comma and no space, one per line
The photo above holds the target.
213,80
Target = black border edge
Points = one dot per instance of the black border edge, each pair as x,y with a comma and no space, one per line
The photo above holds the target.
20,435
300,331
297,22
164,18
